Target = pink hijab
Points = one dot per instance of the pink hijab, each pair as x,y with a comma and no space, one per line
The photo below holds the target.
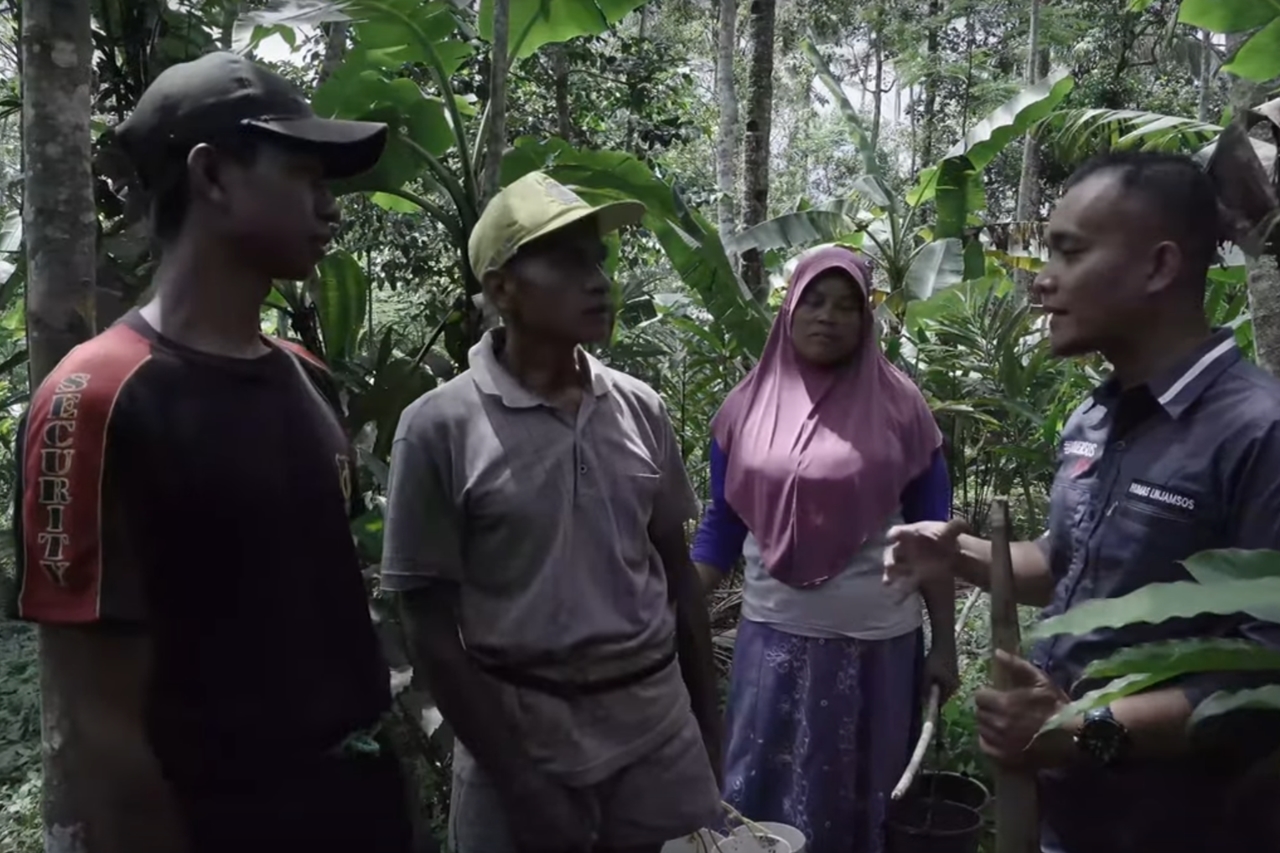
818,458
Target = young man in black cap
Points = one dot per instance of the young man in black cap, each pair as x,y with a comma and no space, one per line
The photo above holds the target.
186,488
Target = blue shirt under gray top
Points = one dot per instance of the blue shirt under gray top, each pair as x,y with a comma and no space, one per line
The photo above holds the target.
1147,477
852,604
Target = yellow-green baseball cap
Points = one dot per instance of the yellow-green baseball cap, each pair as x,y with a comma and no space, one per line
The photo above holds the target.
533,207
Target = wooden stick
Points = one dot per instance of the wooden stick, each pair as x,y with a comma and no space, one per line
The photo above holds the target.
1016,812
931,713
922,745
964,612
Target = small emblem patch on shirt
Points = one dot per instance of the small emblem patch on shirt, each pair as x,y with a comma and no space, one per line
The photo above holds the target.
1087,449
1081,454
1161,496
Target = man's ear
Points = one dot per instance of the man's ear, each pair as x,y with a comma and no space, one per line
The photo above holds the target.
1166,262
497,285
203,175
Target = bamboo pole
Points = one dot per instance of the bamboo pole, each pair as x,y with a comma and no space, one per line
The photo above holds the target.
1016,813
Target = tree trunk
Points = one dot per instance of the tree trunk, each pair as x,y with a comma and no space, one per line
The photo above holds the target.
560,75
1029,188
1037,67
629,135
1264,306
495,140
59,216
335,49
755,169
877,95
1206,74
1263,271
727,130
102,790
931,80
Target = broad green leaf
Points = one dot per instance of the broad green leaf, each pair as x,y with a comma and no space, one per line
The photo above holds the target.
275,299
1237,563
1225,701
1118,689
368,528
1007,122
389,41
282,18
873,189
340,291
366,94
297,13
1013,118
1258,59
1227,16
1178,657
534,23
826,224
437,22
397,383
11,232
394,203
1233,564
959,193
1159,602
936,266
975,259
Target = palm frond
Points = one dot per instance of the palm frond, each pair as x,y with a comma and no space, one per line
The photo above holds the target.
1076,134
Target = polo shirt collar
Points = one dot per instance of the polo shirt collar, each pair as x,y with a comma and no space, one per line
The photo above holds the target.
1182,384
492,378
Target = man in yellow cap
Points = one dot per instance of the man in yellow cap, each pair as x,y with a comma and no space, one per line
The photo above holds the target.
535,529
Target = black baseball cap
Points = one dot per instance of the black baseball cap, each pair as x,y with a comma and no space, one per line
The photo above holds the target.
222,94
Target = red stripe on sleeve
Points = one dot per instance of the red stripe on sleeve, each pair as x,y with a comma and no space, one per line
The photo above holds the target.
299,349
63,465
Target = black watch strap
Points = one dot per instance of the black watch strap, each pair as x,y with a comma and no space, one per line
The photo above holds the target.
1102,738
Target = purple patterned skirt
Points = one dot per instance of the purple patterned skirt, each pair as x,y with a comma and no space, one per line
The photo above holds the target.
819,730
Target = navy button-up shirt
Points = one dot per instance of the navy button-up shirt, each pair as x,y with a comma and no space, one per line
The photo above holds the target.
1147,477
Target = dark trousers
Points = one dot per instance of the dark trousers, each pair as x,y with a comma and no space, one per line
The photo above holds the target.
326,804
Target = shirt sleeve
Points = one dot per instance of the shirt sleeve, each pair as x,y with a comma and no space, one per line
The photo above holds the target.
422,539
1256,508
675,502
80,494
718,542
928,496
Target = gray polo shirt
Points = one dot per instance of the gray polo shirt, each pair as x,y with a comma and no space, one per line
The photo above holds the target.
542,518
1149,476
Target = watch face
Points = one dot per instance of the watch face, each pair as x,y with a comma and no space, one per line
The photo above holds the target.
1102,737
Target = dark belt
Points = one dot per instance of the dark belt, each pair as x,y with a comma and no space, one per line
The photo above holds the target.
575,689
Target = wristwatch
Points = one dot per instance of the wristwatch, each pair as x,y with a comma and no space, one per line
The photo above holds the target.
1102,738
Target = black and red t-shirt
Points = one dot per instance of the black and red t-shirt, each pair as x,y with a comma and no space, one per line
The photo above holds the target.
206,500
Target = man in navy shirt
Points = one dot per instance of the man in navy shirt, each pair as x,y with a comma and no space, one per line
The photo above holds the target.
1177,453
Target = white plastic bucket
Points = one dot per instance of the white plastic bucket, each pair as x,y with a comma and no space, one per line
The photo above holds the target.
794,837
702,841
741,841
744,840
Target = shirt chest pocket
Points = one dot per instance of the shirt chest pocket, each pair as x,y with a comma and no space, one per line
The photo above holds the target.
1143,539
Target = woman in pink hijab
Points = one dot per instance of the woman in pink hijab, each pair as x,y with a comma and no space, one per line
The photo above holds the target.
819,450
